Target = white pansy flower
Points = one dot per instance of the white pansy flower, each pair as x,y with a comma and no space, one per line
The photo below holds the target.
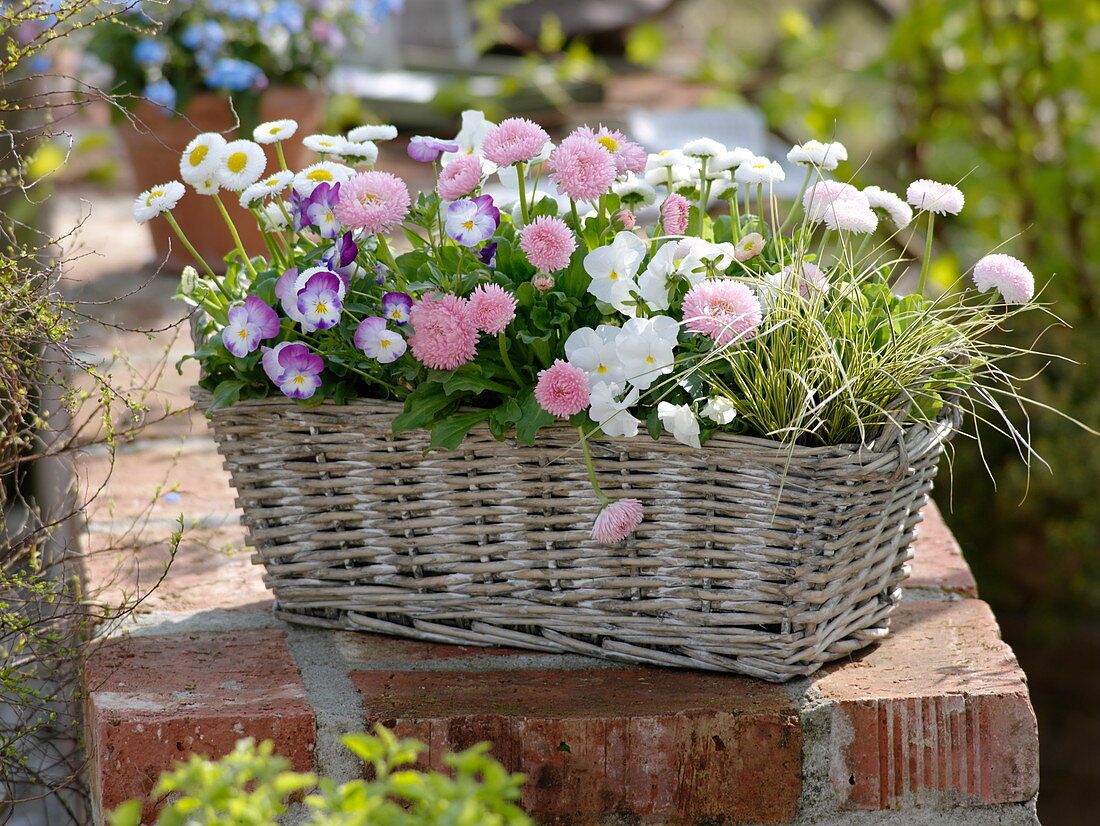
694,257
275,131
645,347
272,185
612,269
594,352
635,192
325,172
825,156
719,409
201,158
759,170
241,165
680,422
373,132
153,202
611,413
653,283
704,148
899,211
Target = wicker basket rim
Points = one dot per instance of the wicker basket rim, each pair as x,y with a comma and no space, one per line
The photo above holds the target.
946,424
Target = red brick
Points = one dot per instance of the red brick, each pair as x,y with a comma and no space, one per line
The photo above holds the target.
154,700
938,713
663,745
938,561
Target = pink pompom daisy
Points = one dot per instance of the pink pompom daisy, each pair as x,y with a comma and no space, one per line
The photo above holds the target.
822,195
1007,275
491,308
617,520
932,196
626,218
459,178
548,243
724,309
372,201
513,140
562,389
629,156
809,278
542,282
582,168
674,214
443,336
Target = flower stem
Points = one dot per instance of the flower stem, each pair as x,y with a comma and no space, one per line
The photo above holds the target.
236,235
282,157
385,254
521,188
502,343
798,200
926,264
187,244
604,501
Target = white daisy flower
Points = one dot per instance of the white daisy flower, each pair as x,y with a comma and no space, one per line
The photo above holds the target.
670,157
826,156
704,148
731,159
201,157
325,144
207,186
268,186
680,422
899,211
272,218
681,174
275,131
634,191
723,189
759,170
325,172
373,132
153,202
361,151
932,196
242,165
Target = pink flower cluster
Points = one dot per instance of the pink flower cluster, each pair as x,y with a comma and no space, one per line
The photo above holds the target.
372,201
628,156
582,167
724,309
562,389
459,178
446,326
491,308
515,140
548,243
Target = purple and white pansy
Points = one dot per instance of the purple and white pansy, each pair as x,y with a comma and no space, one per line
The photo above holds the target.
426,149
292,284
396,307
319,207
293,369
472,220
376,340
340,258
248,324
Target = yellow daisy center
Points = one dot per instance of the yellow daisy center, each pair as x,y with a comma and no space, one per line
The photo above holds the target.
271,182
275,130
650,360
320,175
156,193
609,143
198,155
237,161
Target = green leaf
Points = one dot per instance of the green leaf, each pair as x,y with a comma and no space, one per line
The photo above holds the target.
450,432
653,424
226,393
128,814
421,407
531,419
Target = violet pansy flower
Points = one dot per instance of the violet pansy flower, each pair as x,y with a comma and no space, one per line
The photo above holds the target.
249,323
319,206
320,300
487,255
340,258
423,148
298,204
377,341
472,220
291,283
396,307
293,369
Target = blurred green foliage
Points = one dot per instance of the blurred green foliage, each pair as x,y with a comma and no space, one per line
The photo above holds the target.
1001,95
252,786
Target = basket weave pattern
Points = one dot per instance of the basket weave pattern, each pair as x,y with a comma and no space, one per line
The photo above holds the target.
753,557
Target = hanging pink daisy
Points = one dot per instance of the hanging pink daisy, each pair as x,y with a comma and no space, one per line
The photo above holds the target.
617,520
674,214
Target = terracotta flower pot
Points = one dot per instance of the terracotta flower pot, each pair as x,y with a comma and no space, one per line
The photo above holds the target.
154,146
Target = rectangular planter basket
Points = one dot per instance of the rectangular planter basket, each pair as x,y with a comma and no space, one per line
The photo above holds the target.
753,557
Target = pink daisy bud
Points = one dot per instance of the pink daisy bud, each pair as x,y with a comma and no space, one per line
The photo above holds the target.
513,140
617,520
1007,275
459,178
372,201
626,218
443,336
542,282
562,389
491,308
932,196
724,309
582,168
548,243
674,214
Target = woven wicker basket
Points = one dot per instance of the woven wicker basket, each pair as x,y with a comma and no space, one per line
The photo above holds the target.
753,557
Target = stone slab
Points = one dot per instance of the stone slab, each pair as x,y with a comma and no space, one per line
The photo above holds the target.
154,700
936,715
660,745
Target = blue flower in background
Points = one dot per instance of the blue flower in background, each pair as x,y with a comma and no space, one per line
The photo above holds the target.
203,37
287,15
234,75
162,93
243,10
376,10
149,52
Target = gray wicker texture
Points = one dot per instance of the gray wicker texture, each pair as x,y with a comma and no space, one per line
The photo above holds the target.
752,558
